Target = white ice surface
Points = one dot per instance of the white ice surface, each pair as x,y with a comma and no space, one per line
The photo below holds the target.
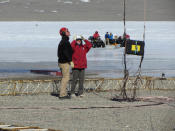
38,42
21,41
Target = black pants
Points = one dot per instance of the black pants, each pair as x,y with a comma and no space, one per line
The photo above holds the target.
78,74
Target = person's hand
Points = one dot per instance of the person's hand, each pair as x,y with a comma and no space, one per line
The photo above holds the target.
72,64
82,37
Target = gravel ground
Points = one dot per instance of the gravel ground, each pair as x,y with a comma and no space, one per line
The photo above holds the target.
77,10
94,112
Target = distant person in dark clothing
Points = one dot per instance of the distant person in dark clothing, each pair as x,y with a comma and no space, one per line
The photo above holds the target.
111,38
64,60
80,63
107,38
120,40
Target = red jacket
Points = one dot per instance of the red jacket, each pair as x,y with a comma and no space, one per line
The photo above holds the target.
96,35
79,54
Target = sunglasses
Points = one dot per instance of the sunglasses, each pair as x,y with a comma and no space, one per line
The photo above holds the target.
78,39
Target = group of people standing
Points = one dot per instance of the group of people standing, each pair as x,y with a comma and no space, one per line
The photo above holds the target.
72,55
111,39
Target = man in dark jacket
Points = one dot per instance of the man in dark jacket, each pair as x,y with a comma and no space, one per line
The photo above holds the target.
107,38
80,63
64,60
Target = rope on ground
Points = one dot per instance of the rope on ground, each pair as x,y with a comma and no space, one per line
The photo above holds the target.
82,108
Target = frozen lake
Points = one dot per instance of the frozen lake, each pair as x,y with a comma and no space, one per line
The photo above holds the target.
33,45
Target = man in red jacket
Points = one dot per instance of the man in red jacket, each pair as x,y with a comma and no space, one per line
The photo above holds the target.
80,63
96,35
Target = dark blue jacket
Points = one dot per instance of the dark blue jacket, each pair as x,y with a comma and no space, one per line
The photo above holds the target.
111,37
106,36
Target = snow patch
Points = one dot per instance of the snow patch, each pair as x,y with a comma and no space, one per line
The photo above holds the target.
68,2
5,1
40,11
54,11
86,1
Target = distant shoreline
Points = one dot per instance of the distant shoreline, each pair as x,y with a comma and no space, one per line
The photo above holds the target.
95,10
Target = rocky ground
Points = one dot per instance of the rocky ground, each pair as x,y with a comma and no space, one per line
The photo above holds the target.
94,112
85,10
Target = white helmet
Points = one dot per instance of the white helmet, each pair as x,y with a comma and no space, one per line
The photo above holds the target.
77,37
